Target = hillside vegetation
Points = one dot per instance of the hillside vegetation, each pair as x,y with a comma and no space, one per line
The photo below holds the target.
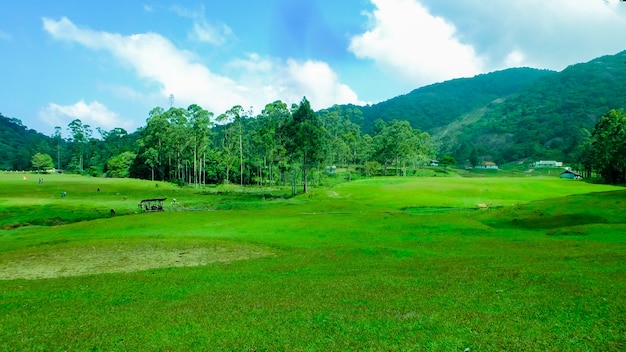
18,144
440,104
514,114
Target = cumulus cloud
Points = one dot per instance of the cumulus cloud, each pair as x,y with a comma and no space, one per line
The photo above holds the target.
408,41
292,79
425,41
94,114
537,33
253,81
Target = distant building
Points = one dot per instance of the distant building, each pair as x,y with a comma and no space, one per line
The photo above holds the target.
548,163
571,175
487,165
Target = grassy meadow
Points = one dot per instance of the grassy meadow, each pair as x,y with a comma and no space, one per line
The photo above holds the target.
380,264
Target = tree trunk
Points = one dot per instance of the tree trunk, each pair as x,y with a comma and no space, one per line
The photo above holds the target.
240,154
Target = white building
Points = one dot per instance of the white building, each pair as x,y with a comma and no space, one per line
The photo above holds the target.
548,163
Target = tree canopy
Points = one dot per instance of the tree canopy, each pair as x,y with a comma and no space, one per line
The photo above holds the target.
607,150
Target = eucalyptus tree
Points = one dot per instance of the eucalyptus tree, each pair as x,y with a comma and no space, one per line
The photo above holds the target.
364,149
178,136
154,141
116,140
343,134
200,124
58,138
232,139
397,143
332,123
268,138
425,149
80,136
304,140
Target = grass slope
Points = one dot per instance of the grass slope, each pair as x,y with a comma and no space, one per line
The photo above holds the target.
355,267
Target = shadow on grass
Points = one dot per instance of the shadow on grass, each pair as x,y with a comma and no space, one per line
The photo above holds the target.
557,221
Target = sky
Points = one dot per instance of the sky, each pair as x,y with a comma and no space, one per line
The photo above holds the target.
108,63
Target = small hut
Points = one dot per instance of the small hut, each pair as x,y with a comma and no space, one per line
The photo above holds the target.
154,204
572,175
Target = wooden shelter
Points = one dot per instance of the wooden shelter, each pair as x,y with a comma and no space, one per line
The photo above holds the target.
154,204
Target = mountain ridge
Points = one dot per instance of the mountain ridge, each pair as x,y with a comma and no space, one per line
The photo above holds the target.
542,114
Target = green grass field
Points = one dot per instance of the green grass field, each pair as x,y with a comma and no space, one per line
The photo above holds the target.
381,264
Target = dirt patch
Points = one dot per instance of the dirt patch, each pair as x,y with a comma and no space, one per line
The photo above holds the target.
61,261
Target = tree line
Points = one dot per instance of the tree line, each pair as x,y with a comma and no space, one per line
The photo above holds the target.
282,145
603,151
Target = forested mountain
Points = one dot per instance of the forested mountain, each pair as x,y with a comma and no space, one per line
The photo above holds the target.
439,104
547,119
513,114
18,144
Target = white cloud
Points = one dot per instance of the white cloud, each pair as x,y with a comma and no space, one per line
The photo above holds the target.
256,81
515,59
319,82
415,46
204,31
212,34
94,114
552,34
292,79
537,33
423,41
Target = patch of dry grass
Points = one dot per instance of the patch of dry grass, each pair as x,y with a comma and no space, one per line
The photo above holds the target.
102,257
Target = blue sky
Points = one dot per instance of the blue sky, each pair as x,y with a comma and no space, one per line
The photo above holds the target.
108,63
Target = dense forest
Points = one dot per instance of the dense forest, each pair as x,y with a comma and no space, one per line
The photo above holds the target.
519,114
282,145
439,104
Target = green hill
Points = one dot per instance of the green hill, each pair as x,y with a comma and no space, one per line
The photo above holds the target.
439,104
513,114
18,144
550,117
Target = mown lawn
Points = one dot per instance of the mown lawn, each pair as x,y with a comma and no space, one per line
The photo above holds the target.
378,264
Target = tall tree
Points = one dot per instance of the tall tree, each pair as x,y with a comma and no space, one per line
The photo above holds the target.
304,142
58,138
200,121
178,136
232,141
608,147
268,136
81,134
154,141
